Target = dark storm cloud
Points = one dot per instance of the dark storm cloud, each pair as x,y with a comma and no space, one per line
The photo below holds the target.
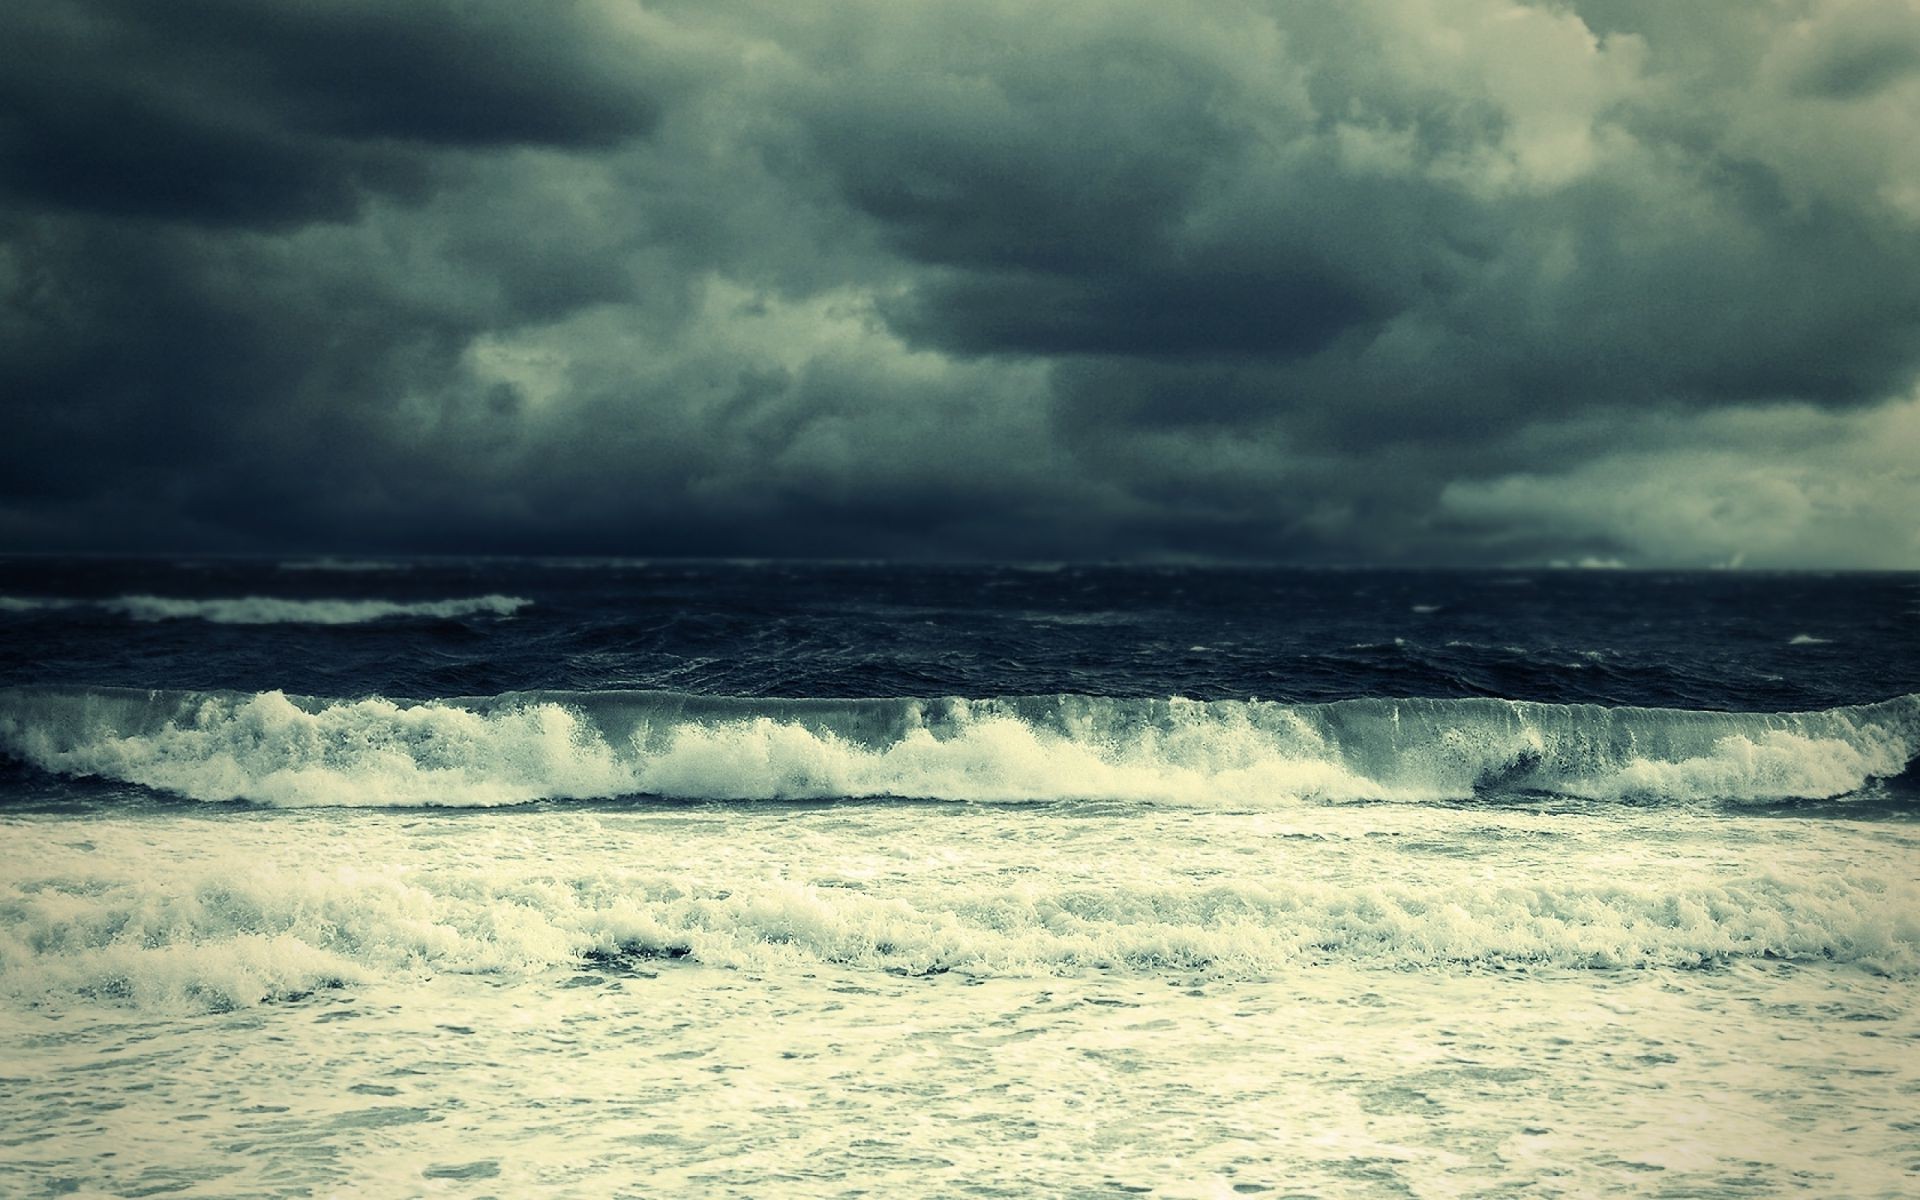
228,111
1374,281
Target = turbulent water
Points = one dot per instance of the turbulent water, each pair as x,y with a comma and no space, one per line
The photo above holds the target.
613,878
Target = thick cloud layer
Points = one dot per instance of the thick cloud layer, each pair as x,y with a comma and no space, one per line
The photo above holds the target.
1385,281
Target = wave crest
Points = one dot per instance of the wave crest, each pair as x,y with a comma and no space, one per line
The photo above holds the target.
279,750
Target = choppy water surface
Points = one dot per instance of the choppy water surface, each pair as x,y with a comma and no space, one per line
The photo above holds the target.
625,879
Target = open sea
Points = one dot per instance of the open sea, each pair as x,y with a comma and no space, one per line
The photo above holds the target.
464,878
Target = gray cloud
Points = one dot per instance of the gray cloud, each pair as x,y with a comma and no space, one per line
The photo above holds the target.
1367,282
1714,488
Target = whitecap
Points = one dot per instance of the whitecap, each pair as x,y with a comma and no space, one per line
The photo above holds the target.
274,749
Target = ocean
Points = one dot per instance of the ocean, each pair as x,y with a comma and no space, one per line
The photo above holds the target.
465,878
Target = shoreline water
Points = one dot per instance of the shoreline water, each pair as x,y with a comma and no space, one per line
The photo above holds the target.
678,1078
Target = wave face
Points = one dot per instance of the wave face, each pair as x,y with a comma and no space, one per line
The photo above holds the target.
272,610
273,749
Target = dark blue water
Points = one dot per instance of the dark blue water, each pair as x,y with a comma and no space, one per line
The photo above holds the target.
1714,640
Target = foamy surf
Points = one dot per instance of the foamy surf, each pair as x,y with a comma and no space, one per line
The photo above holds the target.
273,749
224,931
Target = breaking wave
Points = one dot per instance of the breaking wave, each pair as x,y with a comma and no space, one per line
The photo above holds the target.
274,749
272,610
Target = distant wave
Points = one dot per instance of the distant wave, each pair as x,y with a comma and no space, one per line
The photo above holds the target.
274,749
218,932
272,610
349,565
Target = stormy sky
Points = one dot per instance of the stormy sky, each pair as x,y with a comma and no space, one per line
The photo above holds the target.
1385,281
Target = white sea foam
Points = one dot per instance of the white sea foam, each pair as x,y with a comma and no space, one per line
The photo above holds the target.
1776,764
274,610
277,750
269,750
348,565
35,603
992,756
227,932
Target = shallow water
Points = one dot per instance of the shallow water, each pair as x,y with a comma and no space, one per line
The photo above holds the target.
1346,1000
678,1079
